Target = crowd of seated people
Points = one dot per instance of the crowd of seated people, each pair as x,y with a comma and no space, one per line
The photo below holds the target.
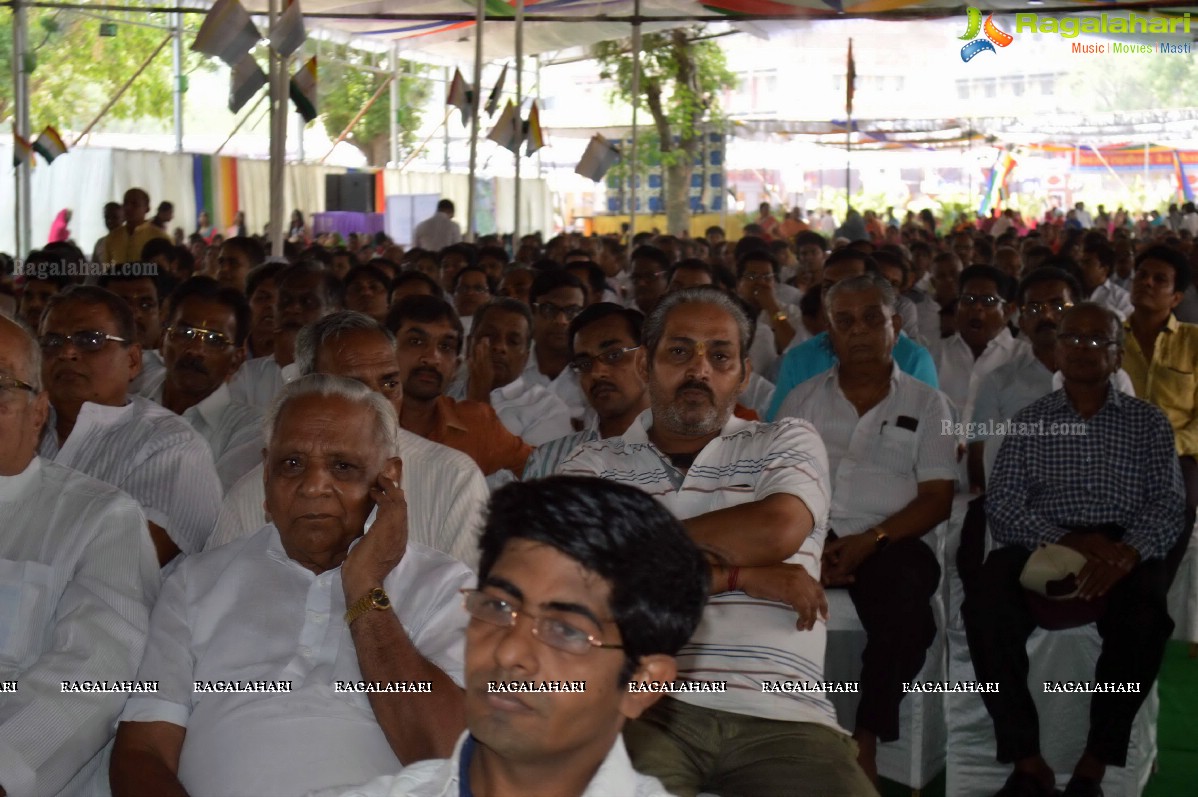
545,517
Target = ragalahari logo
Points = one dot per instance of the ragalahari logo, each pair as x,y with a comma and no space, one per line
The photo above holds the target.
992,36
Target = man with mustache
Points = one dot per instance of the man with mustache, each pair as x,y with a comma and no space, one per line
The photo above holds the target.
612,588
429,338
142,294
204,345
1113,494
306,292
893,473
555,298
755,498
90,355
499,354
604,340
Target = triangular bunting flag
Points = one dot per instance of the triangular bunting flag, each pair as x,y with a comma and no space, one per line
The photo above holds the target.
303,90
244,81
50,144
289,32
600,156
461,96
493,100
534,135
227,33
506,132
22,150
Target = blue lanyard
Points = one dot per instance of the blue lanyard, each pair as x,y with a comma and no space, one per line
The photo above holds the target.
464,767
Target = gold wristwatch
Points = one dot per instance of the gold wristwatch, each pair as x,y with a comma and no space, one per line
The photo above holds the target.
780,316
881,538
376,599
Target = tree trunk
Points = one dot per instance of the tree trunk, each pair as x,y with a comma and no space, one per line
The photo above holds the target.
678,212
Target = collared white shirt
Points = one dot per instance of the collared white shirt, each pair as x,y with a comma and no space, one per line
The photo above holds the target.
445,491
232,430
531,412
959,373
565,386
153,369
437,232
442,778
77,578
758,395
764,351
257,382
1114,298
248,612
741,640
1013,386
153,455
878,459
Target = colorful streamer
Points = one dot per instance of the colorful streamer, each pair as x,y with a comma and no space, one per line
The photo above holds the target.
1183,183
996,185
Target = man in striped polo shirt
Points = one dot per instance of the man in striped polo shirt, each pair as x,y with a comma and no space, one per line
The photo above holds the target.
755,497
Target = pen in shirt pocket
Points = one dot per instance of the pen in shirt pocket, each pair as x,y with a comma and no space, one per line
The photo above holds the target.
882,428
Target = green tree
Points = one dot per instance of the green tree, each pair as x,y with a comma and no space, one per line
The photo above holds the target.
75,70
680,85
348,80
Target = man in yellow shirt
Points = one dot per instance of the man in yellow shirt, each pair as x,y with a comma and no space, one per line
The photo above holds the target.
124,244
1162,360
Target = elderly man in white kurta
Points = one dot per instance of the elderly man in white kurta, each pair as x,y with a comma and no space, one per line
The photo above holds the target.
77,578
253,644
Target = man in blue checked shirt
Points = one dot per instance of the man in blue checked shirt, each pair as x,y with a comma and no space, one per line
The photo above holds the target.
1098,473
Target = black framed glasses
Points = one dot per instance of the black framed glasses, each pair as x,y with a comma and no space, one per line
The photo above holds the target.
1086,341
185,333
550,311
9,384
977,300
584,363
554,632
1042,308
757,277
88,340
645,277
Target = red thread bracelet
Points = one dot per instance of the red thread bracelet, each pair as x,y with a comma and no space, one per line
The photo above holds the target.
732,579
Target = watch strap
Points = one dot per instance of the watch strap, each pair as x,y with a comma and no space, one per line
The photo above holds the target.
372,600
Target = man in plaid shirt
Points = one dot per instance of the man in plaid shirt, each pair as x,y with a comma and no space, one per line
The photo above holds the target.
1095,470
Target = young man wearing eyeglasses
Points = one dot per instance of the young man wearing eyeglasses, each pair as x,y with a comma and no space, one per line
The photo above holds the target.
89,358
756,278
203,346
556,298
580,580
604,341
1115,495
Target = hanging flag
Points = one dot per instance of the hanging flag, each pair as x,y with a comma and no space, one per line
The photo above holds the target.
600,155
493,100
244,81
507,131
1183,183
227,32
289,32
22,150
303,90
461,96
50,144
993,196
850,80
533,133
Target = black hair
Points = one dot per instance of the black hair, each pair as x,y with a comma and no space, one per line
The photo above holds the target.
367,271
334,289
118,308
650,252
249,247
693,264
634,319
473,270
809,303
259,275
596,280
424,310
162,286
468,251
757,255
159,246
493,251
1001,280
1048,274
46,266
505,304
546,281
210,290
888,257
1103,251
846,254
405,277
1172,258
811,237
714,229
656,575
445,205
748,244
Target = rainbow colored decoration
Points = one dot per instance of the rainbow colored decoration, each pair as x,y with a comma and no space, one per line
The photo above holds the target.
1183,184
215,180
997,184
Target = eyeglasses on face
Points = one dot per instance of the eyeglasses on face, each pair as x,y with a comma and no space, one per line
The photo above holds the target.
751,277
721,357
87,340
550,311
645,277
552,631
976,300
584,363
1086,341
185,333
1042,308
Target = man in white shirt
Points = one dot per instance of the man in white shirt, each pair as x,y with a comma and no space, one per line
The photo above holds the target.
254,644
203,347
944,279
609,614
755,497
1083,216
1097,266
499,354
306,292
756,277
893,473
439,230
77,578
556,298
446,489
88,342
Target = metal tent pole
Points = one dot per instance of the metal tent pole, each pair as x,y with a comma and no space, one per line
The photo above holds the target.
519,104
20,38
474,103
179,79
393,115
278,138
636,96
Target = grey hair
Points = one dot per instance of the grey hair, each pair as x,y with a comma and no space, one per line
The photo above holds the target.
329,386
871,280
312,336
655,324
34,358
1111,317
